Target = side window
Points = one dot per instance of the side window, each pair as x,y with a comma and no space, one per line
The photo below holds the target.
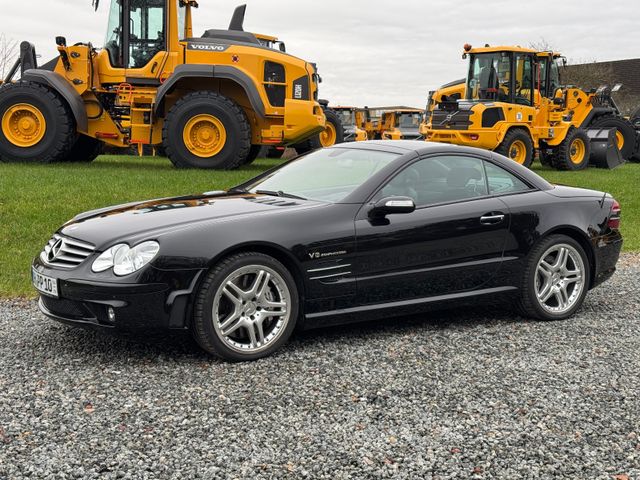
502,182
441,179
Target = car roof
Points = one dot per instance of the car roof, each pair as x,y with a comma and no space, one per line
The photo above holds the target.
408,149
405,146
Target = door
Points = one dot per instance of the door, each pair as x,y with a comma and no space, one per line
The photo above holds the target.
146,40
452,242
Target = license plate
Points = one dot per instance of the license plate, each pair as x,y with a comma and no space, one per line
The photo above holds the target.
44,284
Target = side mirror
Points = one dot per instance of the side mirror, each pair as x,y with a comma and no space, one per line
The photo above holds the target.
391,205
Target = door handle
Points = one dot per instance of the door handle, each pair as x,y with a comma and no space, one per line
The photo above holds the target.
492,219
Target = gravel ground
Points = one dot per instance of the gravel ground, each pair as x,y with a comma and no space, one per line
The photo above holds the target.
454,395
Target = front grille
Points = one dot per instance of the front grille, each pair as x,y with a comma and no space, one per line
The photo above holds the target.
64,252
65,308
457,120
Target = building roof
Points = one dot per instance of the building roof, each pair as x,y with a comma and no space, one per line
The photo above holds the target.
626,72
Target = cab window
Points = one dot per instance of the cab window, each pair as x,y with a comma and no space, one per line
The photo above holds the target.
523,80
147,31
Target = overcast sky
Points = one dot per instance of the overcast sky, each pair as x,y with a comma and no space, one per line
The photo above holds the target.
373,52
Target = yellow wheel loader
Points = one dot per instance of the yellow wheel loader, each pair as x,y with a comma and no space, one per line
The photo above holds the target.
514,103
353,120
208,102
401,124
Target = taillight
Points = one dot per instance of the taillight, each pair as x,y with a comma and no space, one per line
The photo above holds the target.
614,216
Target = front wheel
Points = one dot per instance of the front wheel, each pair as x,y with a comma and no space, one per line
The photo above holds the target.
556,279
207,130
517,146
36,125
247,308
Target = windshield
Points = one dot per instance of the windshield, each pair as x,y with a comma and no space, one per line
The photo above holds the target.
328,175
347,117
409,120
489,77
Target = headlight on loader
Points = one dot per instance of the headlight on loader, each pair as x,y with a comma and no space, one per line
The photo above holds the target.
126,260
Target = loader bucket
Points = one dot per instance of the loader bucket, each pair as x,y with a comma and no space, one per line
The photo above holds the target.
604,149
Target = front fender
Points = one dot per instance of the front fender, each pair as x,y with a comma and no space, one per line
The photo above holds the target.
63,88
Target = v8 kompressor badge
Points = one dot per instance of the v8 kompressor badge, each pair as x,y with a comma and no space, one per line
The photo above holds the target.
208,47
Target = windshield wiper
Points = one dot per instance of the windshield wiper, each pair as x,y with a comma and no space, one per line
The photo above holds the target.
279,193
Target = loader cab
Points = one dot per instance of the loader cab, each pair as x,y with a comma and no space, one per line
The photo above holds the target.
501,76
137,34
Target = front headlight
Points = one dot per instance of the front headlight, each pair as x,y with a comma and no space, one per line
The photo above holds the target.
126,260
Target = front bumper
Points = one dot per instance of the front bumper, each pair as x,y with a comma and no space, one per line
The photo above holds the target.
151,301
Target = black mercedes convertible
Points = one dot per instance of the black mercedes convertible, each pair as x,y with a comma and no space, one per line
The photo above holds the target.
349,233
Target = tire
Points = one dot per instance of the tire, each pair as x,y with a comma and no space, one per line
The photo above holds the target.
240,271
634,118
333,134
274,152
517,146
226,124
533,282
85,150
625,133
545,156
52,124
255,152
574,151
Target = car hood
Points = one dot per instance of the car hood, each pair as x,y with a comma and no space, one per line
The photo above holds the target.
105,226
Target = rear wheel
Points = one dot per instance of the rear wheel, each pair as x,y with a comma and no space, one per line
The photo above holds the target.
625,134
275,152
573,153
36,125
207,130
556,279
247,307
85,150
332,134
517,146
255,152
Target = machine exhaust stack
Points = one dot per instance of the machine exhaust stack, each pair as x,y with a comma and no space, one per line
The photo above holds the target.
237,21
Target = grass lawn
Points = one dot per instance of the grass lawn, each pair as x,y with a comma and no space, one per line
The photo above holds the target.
36,199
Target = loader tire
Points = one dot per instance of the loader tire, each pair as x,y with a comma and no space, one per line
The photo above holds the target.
332,135
625,133
207,130
573,153
517,146
255,152
85,150
275,152
36,125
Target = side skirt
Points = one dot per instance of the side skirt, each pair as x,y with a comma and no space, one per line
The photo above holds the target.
393,309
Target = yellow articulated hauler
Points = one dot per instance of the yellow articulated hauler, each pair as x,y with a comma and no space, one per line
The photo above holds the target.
512,102
209,102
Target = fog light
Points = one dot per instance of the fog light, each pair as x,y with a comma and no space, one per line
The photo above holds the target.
112,314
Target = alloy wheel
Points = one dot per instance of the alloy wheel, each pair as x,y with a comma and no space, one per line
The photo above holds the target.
560,278
251,309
